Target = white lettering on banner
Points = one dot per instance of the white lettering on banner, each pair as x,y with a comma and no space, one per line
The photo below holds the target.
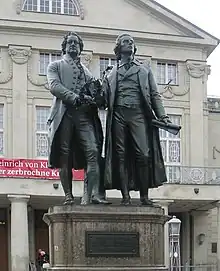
28,172
34,165
55,173
43,164
11,163
28,168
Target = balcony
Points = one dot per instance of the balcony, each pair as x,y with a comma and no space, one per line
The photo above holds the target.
193,175
202,267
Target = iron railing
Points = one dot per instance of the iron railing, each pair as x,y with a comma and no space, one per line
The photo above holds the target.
193,175
202,267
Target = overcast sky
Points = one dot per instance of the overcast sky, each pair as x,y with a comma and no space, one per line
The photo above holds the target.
206,15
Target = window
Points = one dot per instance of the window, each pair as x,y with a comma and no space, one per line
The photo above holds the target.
1,129
102,116
166,73
45,60
171,148
68,7
104,63
214,248
42,113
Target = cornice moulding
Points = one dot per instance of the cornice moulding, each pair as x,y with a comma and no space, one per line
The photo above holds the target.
29,27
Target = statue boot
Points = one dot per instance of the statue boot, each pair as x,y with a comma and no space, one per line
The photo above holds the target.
85,199
96,197
126,199
66,181
144,199
102,192
91,193
143,175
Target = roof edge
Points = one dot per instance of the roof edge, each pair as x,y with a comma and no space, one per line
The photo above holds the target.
185,20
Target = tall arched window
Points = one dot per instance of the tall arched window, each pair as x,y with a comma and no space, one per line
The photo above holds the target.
68,7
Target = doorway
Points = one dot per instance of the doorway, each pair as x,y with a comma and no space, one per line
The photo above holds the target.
41,232
3,240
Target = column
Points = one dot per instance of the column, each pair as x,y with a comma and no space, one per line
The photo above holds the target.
20,56
19,233
218,234
165,205
198,80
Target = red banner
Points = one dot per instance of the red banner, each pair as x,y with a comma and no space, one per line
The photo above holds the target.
28,168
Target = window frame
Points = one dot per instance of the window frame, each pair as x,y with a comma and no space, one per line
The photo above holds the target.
40,132
50,54
75,4
167,140
167,63
110,59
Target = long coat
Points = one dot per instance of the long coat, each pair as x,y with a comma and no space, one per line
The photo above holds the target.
152,107
62,79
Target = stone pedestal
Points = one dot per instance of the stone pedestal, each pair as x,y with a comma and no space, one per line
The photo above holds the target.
101,238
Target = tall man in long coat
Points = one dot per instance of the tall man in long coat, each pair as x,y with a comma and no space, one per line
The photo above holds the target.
75,133
133,153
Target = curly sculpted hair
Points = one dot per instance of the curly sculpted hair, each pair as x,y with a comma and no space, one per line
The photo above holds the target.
63,45
117,49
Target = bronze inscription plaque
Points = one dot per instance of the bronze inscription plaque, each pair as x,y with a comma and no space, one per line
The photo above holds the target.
112,244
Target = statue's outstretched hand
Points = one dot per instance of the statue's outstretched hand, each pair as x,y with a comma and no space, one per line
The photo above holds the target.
165,119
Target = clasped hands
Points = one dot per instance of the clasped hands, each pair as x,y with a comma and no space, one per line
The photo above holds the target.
84,100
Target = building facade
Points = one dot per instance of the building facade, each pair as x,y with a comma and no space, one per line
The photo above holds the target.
31,33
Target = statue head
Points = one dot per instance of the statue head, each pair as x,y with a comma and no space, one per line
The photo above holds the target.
72,44
125,45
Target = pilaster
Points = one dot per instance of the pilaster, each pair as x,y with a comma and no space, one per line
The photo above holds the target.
86,58
198,72
200,226
95,66
19,56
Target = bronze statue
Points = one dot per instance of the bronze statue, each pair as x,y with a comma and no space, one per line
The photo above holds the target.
133,153
75,132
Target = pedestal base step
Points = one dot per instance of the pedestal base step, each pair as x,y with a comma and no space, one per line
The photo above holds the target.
131,268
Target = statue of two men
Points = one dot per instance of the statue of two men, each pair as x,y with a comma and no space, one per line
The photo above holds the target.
133,156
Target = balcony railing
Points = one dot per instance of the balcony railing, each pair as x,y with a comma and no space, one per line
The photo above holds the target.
193,175
202,267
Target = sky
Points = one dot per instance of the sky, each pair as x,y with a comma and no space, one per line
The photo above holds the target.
204,14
